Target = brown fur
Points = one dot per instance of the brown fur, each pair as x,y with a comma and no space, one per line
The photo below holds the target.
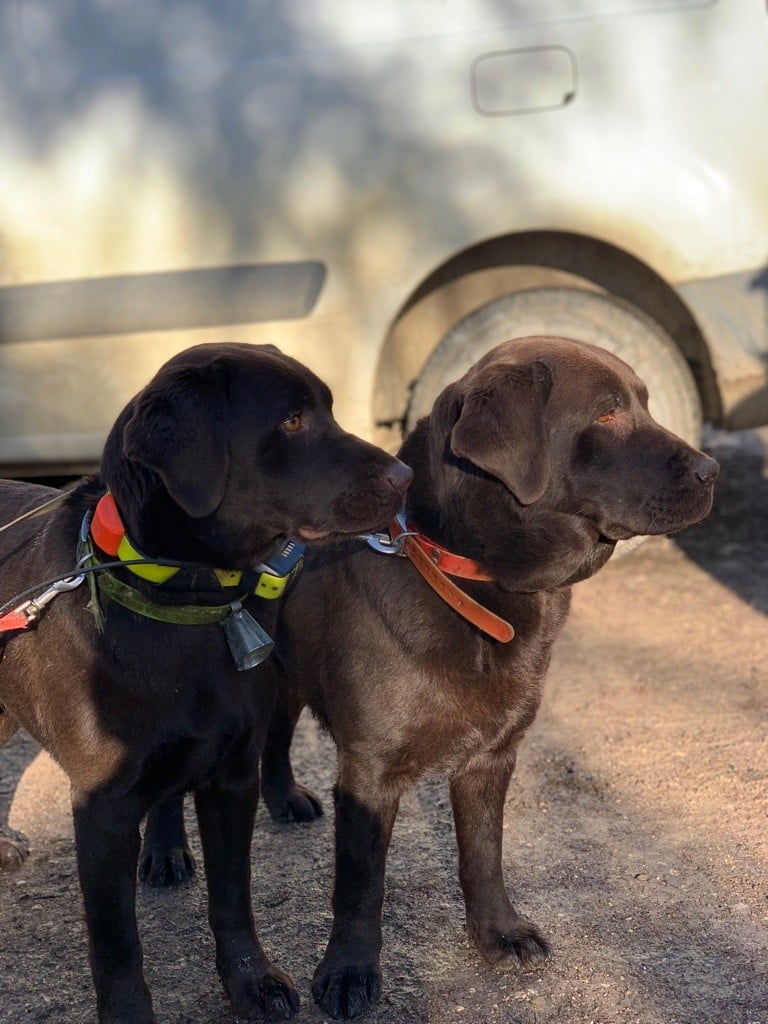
204,469
534,464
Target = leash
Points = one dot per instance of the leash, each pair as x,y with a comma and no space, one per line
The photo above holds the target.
432,562
23,616
47,506
28,613
249,644
51,588
430,559
17,616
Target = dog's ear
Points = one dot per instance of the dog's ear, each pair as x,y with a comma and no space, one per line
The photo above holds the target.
502,427
178,429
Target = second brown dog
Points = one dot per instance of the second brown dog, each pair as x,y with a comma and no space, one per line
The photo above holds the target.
532,466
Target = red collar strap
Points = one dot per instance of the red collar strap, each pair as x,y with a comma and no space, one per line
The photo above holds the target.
432,561
106,526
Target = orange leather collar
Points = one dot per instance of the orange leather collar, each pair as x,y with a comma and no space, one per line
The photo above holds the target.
432,561
447,561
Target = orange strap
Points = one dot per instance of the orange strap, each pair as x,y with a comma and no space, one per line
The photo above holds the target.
453,596
446,561
14,620
106,526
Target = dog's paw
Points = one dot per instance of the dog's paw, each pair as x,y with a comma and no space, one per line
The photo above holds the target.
347,991
270,997
14,850
295,804
161,867
519,938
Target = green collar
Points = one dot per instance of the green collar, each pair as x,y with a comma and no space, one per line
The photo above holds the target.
179,615
271,577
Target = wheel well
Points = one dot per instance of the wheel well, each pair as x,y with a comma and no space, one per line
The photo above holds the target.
512,263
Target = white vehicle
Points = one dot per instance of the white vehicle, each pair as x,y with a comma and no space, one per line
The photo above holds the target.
384,190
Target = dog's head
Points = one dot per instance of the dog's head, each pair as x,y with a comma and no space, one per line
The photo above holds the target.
562,431
231,446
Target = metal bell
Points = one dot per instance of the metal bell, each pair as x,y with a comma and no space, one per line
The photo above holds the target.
248,642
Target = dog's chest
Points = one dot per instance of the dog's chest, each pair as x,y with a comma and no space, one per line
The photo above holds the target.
467,700
422,723
181,709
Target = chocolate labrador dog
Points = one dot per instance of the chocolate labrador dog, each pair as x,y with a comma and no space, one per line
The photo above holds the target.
132,684
527,472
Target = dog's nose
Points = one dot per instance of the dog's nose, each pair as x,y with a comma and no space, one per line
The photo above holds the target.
706,469
399,475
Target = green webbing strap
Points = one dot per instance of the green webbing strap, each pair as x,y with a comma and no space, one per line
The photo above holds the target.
179,615
85,556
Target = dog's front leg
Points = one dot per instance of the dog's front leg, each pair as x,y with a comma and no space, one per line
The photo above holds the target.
254,986
477,797
107,837
348,979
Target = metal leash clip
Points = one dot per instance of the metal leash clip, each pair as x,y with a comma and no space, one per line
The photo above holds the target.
34,608
384,544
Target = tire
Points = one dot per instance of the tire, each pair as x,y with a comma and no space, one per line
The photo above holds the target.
585,316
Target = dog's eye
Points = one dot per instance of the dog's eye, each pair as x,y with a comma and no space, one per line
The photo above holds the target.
293,423
608,417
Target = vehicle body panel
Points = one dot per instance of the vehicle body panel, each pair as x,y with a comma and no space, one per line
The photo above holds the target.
368,144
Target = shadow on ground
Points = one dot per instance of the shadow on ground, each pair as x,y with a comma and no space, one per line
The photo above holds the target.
732,544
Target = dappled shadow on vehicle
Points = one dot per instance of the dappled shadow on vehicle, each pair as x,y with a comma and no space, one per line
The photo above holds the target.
732,543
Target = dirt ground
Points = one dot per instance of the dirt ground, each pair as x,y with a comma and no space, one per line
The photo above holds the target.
636,826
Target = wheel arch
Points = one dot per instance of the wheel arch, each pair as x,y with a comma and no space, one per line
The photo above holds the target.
511,263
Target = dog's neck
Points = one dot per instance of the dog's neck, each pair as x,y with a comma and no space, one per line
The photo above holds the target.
472,514
158,528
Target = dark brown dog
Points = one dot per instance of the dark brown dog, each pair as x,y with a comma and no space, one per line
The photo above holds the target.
228,451
533,464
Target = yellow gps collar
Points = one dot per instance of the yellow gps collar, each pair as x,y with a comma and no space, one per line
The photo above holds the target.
108,532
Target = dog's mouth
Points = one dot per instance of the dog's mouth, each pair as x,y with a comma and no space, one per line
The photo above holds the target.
658,521
604,539
311,533
345,523
611,533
